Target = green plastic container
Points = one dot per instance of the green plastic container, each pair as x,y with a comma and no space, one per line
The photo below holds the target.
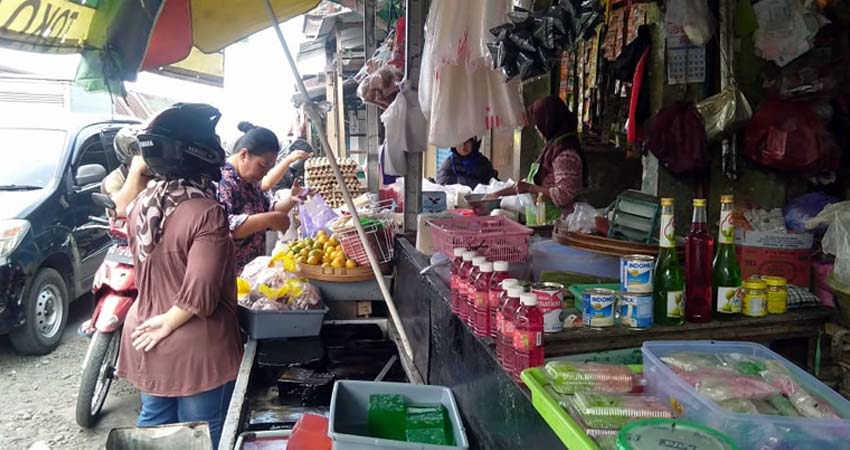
559,420
663,434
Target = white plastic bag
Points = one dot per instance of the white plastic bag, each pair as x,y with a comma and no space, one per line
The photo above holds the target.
517,203
582,219
694,18
836,241
494,186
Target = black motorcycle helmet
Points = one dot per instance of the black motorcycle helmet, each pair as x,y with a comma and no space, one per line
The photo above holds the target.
126,145
180,142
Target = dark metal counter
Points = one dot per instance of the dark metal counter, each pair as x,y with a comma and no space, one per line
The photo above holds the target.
497,413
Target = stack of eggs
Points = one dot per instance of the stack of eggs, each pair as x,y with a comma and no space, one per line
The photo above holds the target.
319,175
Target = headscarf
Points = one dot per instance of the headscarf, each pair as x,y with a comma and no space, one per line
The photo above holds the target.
470,161
158,202
559,126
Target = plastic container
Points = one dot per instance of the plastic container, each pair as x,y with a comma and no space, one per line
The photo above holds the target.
498,238
568,377
257,440
454,285
481,305
777,295
463,283
350,409
468,309
747,430
528,335
497,286
755,298
264,324
613,411
506,336
662,434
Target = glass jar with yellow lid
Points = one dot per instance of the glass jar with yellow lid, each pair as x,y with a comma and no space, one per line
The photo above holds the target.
755,298
777,294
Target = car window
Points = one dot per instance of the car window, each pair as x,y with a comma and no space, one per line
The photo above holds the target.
92,153
30,157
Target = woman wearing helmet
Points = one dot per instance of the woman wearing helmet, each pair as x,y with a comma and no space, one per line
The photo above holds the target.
128,180
182,346
249,210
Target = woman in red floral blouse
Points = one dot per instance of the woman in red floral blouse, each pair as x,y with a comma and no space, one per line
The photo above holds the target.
560,172
249,210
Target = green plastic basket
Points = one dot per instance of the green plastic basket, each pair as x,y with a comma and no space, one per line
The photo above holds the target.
561,422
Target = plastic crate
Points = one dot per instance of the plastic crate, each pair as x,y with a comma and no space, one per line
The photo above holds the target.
350,411
496,238
270,324
747,430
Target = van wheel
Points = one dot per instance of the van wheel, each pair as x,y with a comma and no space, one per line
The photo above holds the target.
46,314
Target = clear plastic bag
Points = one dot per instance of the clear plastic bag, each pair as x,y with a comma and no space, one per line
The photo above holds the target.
694,18
568,377
810,406
613,411
315,215
582,219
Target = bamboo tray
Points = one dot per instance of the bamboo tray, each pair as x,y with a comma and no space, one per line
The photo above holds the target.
341,275
606,246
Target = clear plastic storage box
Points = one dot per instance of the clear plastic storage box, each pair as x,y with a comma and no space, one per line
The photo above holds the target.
749,431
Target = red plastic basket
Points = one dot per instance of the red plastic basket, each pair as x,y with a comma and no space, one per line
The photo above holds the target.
497,238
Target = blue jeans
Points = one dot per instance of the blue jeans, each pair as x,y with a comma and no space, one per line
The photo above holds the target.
210,406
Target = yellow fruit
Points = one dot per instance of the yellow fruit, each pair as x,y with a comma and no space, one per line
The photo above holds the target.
322,239
301,259
304,252
328,246
316,253
326,259
308,242
317,246
326,264
338,263
321,233
313,261
333,241
350,264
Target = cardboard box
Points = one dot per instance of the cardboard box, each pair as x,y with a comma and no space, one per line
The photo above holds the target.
780,254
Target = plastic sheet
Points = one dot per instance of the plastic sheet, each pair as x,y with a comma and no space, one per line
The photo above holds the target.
567,377
315,215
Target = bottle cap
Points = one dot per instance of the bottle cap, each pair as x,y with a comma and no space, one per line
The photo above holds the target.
700,202
458,252
509,283
515,292
775,281
500,266
755,283
727,199
478,260
467,256
528,299
666,201
486,267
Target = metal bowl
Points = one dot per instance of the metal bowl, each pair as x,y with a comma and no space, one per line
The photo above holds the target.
481,206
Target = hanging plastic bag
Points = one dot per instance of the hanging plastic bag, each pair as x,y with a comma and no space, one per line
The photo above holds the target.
724,111
677,139
836,241
694,18
315,215
792,137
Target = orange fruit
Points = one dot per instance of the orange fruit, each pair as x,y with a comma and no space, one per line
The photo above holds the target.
326,264
333,241
338,263
314,260
304,252
350,264
316,253
301,259
327,246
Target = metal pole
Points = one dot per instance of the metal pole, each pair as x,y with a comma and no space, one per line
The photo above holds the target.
370,44
416,12
346,195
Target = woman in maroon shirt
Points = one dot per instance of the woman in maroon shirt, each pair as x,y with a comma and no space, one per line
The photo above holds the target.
182,346
560,172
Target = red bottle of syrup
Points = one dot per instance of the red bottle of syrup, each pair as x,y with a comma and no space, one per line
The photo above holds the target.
528,336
